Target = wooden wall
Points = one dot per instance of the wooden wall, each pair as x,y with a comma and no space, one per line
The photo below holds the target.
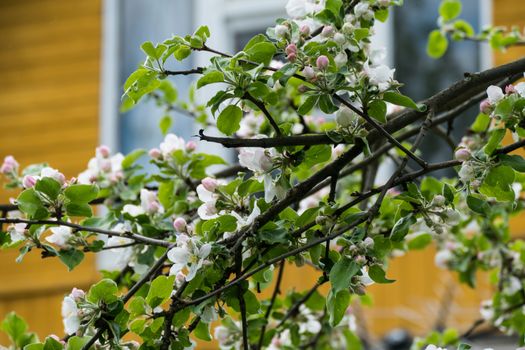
50,61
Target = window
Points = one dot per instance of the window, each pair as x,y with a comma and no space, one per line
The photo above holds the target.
425,76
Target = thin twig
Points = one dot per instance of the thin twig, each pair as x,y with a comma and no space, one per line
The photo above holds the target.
276,291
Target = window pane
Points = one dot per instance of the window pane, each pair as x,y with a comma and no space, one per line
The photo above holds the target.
424,76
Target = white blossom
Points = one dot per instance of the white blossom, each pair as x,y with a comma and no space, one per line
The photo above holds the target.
61,236
520,88
171,144
381,75
365,278
249,125
260,161
133,210
70,315
189,254
245,221
442,258
345,117
433,347
495,94
301,8
362,10
487,310
149,204
107,170
17,232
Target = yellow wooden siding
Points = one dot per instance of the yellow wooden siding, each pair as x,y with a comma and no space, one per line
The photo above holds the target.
50,63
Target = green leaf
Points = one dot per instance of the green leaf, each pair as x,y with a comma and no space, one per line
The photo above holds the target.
81,193
448,193
377,274
165,124
262,52
141,82
400,229
182,52
336,305
496,136
14,326
437,44
79,209
149,49
160,290
132,157
326,104
498,183
71,258
342,272
202,331
421,241
504,108
105,290
478,205
308,104
229,121
464,27
450,9
514,161
30,203
334,6
381,15
52,344
377,110
48,186
210,78
481,123
402,100
76,343
317,154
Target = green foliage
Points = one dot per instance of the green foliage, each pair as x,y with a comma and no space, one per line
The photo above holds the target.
229,120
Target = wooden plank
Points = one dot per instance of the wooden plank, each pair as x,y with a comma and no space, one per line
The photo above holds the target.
49,105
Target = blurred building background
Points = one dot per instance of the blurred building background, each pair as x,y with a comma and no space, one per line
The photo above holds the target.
63,64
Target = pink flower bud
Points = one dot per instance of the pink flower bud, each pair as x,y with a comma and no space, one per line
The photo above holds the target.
322,62
305,30
61,178
103,150
10,165
475,184
180,278
485,107
209,184
28,181
153,207
191,146
291,57
180,224
510,89
155,153
328,31
360,259
308,73
369,242
77,294
462,154
291,48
